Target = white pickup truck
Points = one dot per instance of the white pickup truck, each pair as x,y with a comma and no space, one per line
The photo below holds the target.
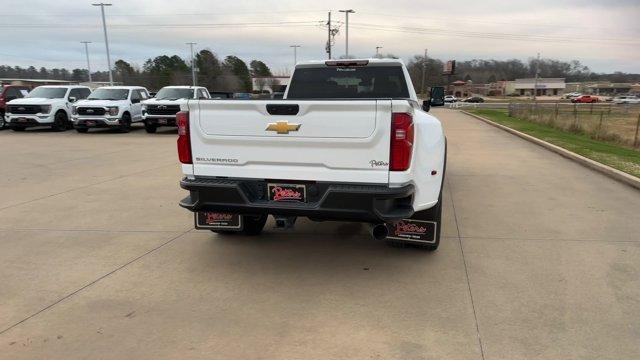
348,142
110,107
161,110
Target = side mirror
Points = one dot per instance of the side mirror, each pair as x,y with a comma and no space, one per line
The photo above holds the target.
72,99
426,105
135,101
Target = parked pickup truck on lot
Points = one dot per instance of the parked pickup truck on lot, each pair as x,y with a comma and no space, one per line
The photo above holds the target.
161,110
45,106
110,107
8,93
348,142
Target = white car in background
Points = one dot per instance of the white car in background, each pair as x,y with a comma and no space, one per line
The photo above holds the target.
45,106
626,99
572,95
110,107
450,99
161,110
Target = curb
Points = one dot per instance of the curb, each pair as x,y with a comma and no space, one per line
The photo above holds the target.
593,165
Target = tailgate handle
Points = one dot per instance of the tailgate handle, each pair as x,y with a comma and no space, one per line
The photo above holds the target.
283,109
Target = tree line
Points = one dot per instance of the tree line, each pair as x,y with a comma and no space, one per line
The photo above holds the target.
488,71
233,74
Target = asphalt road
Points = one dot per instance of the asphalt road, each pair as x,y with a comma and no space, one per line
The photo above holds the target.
540,259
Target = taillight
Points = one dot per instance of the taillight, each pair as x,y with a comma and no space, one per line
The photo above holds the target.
401,141
184,142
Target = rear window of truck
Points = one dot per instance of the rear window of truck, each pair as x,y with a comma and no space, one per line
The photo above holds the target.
359,82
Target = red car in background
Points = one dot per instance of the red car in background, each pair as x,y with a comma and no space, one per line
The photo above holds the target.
8,93
585,99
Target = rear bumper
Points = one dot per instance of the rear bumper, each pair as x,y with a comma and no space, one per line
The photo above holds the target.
326,201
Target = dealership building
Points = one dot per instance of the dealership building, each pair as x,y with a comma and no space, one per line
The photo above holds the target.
543,87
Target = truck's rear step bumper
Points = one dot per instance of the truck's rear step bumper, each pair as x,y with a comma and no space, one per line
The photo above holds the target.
326,201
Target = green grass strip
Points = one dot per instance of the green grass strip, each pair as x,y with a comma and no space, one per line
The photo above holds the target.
618,157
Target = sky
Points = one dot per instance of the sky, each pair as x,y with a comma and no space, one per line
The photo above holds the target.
603,35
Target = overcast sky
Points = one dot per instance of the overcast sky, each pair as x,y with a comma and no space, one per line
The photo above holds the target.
603,35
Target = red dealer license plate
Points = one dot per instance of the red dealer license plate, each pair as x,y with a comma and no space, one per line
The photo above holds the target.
287,192
218,221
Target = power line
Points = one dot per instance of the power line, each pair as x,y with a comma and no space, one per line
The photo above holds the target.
243,24
489,35
493,22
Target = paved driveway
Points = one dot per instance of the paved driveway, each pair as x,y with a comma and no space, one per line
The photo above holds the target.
541,259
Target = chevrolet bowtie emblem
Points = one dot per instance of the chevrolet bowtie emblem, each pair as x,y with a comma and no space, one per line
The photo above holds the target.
282,127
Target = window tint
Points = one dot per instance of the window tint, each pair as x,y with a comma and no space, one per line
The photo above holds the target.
135,95
109,94
48,92
78,93
12,92
348,82
84,93
174,94
143,94
202,94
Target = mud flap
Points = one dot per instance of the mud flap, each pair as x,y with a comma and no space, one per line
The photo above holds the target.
218,221
413,230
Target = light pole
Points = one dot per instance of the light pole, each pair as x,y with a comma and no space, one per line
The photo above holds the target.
193,64
535,85
295,54
378,50
424,72
346,13
106,39
86,50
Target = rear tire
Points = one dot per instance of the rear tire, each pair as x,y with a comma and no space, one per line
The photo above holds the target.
433,214
252,226
150,128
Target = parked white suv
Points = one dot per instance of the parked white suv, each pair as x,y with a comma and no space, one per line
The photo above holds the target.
45,106
161,110
110,107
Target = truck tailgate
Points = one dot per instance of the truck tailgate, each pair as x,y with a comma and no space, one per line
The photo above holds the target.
341,140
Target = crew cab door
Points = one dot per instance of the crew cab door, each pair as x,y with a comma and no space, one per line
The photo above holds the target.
137,96
337,141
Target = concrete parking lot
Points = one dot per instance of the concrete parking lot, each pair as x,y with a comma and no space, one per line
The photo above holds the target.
540,260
